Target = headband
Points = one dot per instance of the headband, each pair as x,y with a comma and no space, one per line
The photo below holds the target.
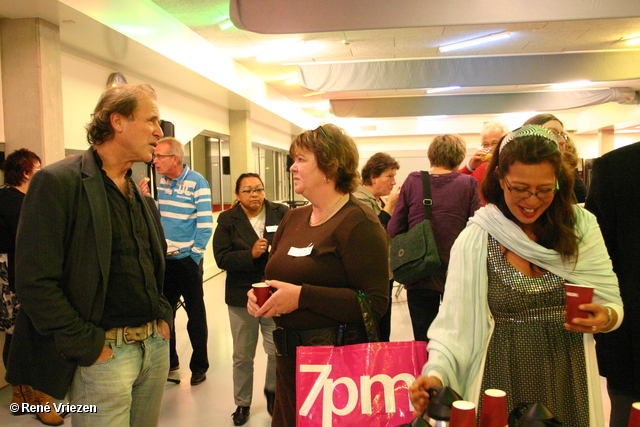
529,130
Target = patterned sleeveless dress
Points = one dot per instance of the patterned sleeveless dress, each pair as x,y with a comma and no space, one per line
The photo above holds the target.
531,356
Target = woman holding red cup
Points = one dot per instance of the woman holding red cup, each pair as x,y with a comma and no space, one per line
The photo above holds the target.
241,247
502,321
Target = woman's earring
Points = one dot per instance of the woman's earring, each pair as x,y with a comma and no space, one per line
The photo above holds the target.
326,181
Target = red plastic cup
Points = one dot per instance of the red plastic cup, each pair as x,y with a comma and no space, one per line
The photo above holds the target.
262,291
494,409
463,414
634,417
576,295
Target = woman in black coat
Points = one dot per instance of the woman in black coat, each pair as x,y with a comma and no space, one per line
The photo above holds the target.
241,245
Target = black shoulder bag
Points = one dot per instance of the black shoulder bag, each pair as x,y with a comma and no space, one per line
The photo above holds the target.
414,254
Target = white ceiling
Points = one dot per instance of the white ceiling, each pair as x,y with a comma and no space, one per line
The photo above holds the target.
561,34
564,29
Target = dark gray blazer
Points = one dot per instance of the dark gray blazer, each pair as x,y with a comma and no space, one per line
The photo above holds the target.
614,198
232,242
63,257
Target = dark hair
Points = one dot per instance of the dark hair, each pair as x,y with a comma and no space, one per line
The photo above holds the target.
121,99
246,175
335,152
17,164
376,165
540,119
447,151
555,227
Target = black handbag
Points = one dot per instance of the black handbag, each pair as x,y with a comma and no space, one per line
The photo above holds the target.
414,254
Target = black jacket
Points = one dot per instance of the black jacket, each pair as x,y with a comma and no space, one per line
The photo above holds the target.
63,258
614,198
232,242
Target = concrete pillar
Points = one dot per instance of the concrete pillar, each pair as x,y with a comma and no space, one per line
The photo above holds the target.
32,88
606,139
240,146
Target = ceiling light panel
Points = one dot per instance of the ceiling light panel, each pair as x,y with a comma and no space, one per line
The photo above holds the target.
475,42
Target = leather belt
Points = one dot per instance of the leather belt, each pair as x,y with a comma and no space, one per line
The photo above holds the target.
131,334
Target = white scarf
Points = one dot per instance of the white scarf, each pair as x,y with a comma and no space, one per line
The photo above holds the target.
593,266
460,333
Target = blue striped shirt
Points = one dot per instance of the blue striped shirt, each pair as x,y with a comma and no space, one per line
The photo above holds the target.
185,207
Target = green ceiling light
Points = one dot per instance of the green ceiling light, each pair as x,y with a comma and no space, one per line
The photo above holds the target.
226,24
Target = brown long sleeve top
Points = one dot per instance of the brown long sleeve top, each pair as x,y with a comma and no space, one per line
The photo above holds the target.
348,252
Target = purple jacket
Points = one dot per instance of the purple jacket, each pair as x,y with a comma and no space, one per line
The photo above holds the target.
455,199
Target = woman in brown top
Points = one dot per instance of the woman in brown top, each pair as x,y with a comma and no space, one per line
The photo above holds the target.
322,254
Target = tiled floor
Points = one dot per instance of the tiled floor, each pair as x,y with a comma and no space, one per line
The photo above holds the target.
211,403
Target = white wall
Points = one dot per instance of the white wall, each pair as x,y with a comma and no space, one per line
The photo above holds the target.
83,80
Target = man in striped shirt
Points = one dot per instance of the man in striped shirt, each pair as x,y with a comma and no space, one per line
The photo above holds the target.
184,201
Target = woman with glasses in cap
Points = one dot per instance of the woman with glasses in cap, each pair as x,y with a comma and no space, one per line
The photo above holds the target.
567,148
241,247
502,324
329,262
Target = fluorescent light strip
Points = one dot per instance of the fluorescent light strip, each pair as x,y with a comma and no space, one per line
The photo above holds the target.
312,94
474,42
633,42
443,89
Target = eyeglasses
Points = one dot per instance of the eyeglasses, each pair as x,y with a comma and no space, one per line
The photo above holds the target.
559,134
489,145
163,155
255,190
521,193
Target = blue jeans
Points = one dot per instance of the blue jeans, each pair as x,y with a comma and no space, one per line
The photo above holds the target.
126,389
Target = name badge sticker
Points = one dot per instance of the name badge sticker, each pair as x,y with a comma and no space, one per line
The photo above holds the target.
298,252
271,228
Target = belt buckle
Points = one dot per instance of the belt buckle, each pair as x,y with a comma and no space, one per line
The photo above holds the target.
124,336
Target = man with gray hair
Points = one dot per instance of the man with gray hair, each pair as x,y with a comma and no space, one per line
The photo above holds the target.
184,201
89,271
491,134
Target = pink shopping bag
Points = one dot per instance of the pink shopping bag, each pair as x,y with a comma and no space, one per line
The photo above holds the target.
357,385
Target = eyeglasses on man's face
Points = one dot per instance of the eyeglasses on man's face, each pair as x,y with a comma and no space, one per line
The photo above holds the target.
521,193
161,156
490,144
249,191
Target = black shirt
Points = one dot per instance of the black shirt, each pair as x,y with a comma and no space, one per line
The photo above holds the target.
132,295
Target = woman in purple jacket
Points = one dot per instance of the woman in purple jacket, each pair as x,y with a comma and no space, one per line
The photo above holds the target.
455,199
